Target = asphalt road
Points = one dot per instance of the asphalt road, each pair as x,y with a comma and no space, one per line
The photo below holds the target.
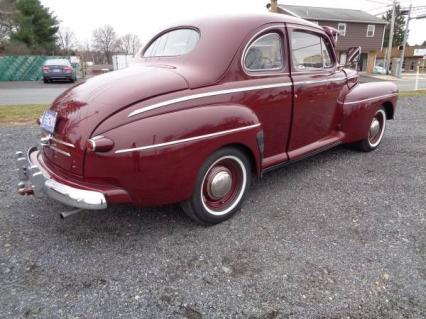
30,92
340,235
37,92
406,84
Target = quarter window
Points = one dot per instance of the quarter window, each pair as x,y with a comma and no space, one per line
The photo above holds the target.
310,51
172,43
371,28
264,54
341,27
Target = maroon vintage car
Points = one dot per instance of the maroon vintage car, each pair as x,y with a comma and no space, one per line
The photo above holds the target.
208,105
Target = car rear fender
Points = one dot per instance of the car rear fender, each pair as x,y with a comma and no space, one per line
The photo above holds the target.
156,159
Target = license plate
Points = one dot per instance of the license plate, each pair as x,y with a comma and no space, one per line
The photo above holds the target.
48,121
57,70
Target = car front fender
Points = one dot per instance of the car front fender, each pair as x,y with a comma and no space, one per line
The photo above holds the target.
362,102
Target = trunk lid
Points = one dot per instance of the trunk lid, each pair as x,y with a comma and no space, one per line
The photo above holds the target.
82,108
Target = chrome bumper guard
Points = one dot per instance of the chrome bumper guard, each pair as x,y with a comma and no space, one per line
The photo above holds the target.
32,181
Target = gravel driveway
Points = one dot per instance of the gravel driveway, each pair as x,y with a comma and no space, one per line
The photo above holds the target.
340,235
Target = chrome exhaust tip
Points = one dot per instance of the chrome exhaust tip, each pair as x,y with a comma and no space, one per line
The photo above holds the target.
64,215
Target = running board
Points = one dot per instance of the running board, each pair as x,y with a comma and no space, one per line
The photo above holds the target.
304,152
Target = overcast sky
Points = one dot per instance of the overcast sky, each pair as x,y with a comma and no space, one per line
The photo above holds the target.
145,18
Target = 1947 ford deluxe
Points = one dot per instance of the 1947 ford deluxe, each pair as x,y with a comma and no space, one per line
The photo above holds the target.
208,105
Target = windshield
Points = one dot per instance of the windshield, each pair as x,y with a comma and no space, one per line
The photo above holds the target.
176,42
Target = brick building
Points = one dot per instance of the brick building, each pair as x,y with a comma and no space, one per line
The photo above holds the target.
414,56
356,27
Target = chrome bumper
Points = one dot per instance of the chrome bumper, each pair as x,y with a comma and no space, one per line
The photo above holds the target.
32,181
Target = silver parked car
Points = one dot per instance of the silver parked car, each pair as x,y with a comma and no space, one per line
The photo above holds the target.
58,69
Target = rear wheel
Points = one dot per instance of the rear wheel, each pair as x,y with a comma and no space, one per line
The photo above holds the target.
375,132
45,80
220,187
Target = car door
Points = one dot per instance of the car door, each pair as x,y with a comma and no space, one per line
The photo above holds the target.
318,83
265,64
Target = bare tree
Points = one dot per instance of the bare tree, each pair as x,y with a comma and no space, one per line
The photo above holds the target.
66,40
7,12
105,40
129,44
5,26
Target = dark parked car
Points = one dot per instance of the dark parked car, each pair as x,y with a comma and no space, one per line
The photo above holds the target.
209,104
58,69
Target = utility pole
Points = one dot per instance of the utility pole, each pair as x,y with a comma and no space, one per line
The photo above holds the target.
404,43
389,51
274,6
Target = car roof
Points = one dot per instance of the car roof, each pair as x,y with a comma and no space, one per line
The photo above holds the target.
251,20
220,38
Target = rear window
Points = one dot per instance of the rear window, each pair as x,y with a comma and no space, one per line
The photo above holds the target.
172,43
57,62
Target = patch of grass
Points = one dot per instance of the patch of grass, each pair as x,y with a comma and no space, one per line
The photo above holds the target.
412,93
21,113
29,113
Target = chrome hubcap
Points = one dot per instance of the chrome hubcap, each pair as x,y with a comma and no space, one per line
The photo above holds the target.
377,128
220,184
374,128
223,185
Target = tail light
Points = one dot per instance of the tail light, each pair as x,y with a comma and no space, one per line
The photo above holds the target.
45,69
67,69
99,144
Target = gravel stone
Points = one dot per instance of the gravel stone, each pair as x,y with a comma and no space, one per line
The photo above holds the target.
339,235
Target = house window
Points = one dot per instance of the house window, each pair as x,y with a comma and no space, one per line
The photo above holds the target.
371,28
341,27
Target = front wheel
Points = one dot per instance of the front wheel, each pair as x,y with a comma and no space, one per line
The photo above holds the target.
220,187
375,132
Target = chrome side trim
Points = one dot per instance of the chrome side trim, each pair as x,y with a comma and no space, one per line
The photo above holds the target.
227,91
319,81
185,140
370,99
207,94
62,142
57,150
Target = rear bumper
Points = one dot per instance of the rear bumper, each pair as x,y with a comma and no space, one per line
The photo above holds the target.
65,77
35,181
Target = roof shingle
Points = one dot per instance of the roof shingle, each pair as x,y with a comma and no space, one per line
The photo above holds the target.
331,14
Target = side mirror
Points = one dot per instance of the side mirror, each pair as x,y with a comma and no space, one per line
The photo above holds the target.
353,56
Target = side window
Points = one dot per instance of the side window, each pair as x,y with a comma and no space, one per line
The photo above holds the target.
326,58
310,51
265,53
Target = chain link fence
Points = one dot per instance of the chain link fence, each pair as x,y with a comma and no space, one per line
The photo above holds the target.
25,67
